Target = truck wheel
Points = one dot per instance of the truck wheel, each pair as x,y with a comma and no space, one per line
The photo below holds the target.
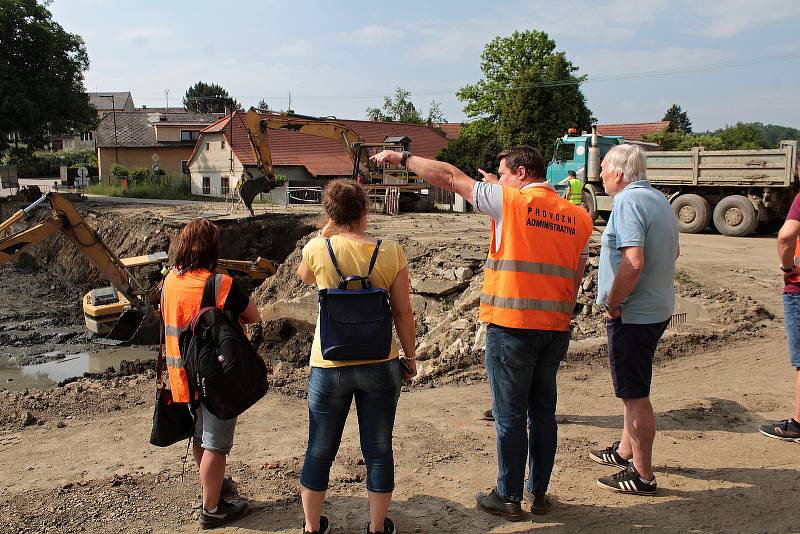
735,216
588,202
693,213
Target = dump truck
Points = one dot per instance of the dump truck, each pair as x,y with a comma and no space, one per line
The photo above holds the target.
739,192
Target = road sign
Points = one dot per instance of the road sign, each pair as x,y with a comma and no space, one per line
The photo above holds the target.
83,172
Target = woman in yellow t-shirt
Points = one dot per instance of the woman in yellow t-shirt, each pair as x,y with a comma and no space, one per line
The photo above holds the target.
375,384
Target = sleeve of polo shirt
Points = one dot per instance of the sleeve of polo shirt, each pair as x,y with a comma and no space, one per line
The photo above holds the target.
488,199
630,223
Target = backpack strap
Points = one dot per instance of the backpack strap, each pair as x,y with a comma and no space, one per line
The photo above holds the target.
210,291
333,258
374,257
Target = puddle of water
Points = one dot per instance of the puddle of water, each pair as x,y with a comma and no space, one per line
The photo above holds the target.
46,375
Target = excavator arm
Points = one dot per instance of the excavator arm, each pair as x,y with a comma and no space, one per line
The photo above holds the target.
334,130
65,218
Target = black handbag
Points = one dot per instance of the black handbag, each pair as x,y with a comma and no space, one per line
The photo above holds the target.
355,324
172,421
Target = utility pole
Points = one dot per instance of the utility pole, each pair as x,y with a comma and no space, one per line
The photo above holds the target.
166,95
114,118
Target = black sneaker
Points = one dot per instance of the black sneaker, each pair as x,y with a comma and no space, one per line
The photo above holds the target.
628,481
787,430
609,456
324,526
388,527
495,504
226,513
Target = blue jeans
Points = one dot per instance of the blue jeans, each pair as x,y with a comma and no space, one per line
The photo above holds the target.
791,322
522,366
376,388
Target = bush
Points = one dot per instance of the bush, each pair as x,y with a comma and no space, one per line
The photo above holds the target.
140,176
119,171
38,164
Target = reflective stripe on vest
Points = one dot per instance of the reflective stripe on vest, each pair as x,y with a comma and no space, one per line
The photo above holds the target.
575,191
180,302
530,267
527,304
529,280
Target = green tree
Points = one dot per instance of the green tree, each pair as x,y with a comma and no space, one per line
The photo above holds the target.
538,108
503,60
435,114
741,136
678,120
209,98
529,91
774,134
41,76
396,109
475,147
262,105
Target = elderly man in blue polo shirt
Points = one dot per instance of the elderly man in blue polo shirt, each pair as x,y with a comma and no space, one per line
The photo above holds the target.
637,290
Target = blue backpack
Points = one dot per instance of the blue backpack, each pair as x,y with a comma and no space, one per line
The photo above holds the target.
355,324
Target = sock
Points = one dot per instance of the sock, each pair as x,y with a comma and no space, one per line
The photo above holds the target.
213,510
648,482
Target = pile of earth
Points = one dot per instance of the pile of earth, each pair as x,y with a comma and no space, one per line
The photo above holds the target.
446,283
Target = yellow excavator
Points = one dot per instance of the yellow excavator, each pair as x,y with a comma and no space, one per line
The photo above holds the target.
128,309
364,171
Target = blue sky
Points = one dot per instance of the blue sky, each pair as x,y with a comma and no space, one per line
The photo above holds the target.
338,58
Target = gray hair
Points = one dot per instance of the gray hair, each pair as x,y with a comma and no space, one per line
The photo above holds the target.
630,160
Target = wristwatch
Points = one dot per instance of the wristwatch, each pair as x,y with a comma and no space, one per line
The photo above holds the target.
608,308
404,158
787,271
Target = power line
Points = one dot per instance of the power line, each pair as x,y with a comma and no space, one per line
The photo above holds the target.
553,83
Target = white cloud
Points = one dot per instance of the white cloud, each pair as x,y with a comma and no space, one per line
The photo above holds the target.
141,35
726,18
374,34
296,48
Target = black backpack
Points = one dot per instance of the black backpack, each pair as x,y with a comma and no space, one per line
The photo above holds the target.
223,368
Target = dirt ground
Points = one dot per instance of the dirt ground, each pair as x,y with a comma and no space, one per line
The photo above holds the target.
83,463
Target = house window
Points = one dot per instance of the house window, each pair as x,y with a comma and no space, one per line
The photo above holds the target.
185,166
208,146
225,185
190,135
87,136
222,144
206,185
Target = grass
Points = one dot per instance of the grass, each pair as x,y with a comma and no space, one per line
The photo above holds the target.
165,187
683,278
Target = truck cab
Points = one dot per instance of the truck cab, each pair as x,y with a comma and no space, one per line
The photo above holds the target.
571,154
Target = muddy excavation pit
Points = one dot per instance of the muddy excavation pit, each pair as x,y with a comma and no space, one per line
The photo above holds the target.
43,339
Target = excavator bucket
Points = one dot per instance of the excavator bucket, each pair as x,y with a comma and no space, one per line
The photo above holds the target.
133,328
109,315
